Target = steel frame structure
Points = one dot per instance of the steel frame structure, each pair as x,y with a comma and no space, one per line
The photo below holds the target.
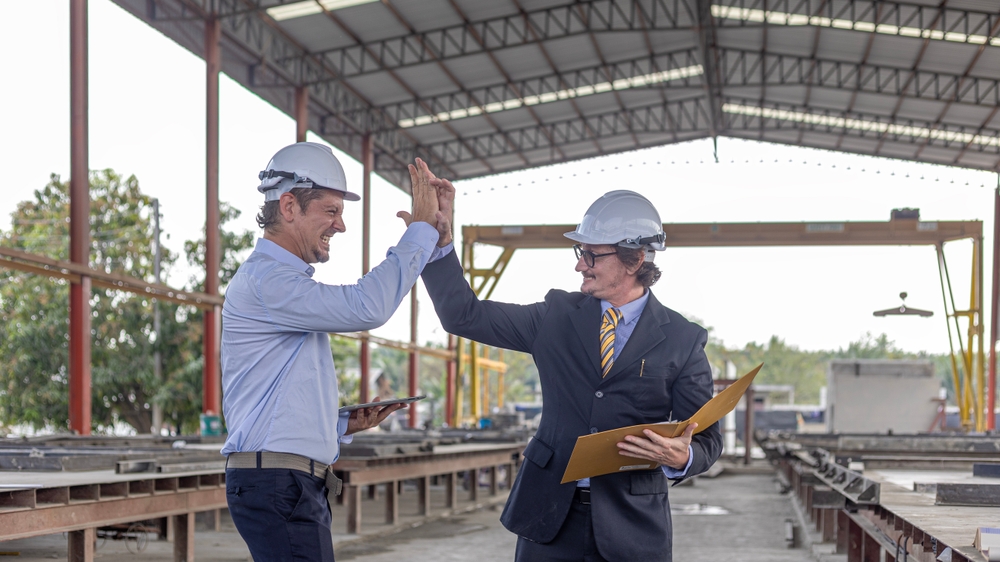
523,83
78,509
893,523
790,55
480,88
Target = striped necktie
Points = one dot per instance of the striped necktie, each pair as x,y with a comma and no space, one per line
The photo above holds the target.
611,319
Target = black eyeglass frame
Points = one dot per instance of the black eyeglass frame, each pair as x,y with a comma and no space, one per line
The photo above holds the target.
589,257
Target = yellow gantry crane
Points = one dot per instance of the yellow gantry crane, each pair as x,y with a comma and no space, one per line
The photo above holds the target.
968,360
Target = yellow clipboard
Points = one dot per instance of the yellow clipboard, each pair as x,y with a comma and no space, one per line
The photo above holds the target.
597,453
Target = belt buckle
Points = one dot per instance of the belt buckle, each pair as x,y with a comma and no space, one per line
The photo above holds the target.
583,495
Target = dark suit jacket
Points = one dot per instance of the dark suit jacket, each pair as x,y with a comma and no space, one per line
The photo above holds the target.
630,510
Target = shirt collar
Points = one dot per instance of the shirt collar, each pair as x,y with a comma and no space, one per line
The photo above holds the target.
630,311
275,251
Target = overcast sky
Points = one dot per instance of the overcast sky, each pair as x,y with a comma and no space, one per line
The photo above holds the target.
147,117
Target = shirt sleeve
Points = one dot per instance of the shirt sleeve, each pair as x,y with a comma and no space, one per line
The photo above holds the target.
673,473
439,253
342,429
295,302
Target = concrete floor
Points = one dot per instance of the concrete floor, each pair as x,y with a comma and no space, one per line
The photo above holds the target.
738,516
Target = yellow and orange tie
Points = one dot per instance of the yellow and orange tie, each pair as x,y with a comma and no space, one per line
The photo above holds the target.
611,319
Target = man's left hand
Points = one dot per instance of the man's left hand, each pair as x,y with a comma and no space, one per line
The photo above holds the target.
367,418
672,452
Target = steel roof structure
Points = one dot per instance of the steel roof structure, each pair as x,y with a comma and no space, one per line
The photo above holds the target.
482,87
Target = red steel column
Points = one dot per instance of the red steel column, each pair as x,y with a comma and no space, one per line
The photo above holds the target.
368,162
991,357
449,390
79,224
414,361
213,318
301,113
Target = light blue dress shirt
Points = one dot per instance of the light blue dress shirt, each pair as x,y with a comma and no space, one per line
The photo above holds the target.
279,384
630,316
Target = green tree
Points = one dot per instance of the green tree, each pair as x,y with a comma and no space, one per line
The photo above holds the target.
345,356
34,350
182,326
34,315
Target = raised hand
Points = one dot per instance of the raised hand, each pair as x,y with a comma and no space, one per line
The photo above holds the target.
425,198
446,212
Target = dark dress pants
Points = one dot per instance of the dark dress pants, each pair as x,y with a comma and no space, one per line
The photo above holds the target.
573,543
283,515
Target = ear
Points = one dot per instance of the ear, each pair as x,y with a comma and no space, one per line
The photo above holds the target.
288,206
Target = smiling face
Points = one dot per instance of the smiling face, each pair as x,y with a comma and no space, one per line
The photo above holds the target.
609,279
307,232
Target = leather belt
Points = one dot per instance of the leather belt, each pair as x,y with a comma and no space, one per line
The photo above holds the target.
582,495
265,459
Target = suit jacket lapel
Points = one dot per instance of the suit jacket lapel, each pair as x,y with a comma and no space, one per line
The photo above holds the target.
587,321
647,334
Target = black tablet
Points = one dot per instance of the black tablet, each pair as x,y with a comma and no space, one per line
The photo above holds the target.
407,400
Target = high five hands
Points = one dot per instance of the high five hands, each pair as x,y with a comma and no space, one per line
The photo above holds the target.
433,201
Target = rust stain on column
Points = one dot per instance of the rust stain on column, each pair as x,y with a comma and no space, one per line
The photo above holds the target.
368,162
301,113
212,335
79,237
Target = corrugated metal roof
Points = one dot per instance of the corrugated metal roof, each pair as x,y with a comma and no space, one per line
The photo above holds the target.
485,87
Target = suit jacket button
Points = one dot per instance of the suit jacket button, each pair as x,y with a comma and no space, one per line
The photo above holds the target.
593,430
599,394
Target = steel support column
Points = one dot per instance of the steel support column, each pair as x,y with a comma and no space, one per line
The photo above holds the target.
81,545
301,113
368,163
79,226
449,391
414,358
213,324
994,309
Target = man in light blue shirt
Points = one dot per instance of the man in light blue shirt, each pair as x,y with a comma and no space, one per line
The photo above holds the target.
279,382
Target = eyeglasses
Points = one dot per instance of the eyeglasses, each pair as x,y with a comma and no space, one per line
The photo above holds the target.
588,256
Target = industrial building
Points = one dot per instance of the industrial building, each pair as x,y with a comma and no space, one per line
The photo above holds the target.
482,88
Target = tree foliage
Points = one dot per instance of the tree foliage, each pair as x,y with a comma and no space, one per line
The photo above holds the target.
806,370
34,315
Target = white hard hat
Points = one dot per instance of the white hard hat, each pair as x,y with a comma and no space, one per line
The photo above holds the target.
303,164
621,218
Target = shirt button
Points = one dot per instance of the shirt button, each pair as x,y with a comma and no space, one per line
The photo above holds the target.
599,394
593,430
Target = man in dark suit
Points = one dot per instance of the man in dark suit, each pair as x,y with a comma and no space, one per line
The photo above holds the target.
608,356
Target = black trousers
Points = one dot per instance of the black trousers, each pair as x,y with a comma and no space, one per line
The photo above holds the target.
283,515
573,543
